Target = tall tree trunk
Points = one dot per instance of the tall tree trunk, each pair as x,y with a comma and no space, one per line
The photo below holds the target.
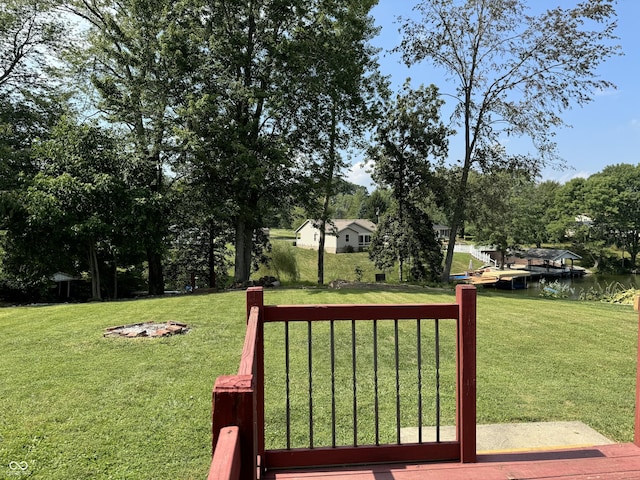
323,233
244,246
95,273
328,193
458,216
156,275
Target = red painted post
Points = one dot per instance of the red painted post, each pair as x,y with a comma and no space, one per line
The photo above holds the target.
636,431
233,405
466,367
255,298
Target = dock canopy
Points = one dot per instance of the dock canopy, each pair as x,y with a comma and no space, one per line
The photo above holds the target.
548,254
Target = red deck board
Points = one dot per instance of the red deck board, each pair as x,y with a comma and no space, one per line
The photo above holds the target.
609,462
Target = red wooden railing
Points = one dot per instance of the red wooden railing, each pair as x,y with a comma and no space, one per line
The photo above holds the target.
238,400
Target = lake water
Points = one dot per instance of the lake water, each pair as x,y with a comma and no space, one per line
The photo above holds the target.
579,284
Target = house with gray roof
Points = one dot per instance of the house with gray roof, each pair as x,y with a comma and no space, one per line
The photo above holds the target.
342,235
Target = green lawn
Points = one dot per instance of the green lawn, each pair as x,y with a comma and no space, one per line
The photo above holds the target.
77,405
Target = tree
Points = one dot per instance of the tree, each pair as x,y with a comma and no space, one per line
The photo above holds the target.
407,239
330,96
348,203
533,207
70,215
21,123
32,37
275,82
568,205
498,214
613,198
199,239
31,34
408,137
131,61
514,73
234,120
376,205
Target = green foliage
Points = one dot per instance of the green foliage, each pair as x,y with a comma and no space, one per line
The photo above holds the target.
612,198
502,214
358,272
131,58
376,205
32,35
505,85
610,292
72,215
408,241
408,138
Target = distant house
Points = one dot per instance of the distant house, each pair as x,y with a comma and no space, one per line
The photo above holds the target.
442,231
341,235
580,221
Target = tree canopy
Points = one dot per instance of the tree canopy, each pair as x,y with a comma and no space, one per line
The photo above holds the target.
174,132
513,73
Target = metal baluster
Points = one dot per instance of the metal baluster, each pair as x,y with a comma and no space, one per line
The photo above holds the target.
355,400
437,348
333,384
397,353
419,355
309,340
375,380
288,388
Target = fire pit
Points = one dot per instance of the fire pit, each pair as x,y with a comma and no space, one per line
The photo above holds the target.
147,329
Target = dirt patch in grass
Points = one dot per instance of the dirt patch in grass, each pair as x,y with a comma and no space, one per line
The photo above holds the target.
147,329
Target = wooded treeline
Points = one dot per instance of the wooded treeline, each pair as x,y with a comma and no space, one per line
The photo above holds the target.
597,217
158,139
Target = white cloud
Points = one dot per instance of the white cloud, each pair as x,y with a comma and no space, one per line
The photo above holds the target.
359,173
566,176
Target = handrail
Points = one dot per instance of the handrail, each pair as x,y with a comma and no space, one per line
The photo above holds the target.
462,449
225,464
293,313
238,400
248,358
234,405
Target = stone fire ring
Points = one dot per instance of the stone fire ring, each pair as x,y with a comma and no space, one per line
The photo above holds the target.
147,329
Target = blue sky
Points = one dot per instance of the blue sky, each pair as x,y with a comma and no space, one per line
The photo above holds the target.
604,132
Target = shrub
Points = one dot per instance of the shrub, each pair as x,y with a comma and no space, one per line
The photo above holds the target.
358,271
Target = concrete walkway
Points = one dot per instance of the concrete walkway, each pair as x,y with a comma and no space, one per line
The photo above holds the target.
513,437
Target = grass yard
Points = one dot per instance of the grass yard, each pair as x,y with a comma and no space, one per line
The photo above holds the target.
77,405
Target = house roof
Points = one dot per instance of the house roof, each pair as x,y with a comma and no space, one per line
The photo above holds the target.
342,224
549,254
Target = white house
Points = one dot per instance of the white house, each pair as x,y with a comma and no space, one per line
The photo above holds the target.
340,235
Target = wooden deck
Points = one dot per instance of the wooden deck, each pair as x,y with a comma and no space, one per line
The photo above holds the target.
238,439
608,462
